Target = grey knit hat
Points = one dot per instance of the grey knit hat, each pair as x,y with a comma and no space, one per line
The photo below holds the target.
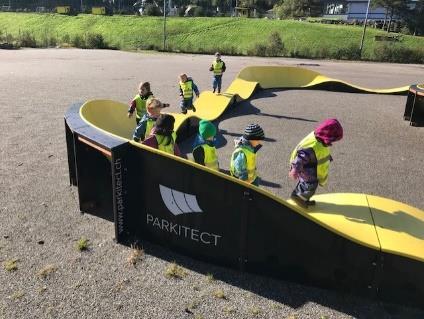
254,132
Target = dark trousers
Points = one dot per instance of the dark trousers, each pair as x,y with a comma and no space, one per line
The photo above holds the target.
305,190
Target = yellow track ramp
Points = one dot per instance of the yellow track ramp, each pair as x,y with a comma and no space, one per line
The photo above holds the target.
375,222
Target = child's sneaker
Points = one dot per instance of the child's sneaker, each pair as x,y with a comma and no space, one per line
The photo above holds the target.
184,111
299,201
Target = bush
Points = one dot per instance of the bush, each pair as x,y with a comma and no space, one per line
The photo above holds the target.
78,41
398,54
95,41
350,52
26,39
152,10
199,12
275,45
258,49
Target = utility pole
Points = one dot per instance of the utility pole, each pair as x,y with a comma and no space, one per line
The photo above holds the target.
164,25
365,28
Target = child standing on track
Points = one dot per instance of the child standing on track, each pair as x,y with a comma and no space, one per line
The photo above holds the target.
187,87
138,104
218,68
204,151
243,160
148,121
310,161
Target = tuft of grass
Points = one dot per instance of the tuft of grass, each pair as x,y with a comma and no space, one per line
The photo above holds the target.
255,311
175,271
17,295
11,264
219,293
46,271
209,277
82,244
135,256
229,310
193,305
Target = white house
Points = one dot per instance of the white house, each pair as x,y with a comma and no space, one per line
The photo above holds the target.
355,10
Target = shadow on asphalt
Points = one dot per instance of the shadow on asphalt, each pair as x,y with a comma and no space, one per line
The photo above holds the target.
287,293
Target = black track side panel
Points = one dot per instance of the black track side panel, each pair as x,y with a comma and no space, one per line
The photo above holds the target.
402,280
283,243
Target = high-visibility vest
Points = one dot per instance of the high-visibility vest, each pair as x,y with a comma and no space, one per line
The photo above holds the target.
165,143
217,67
140,105
211,160
250,165
322,154
150,123
187,88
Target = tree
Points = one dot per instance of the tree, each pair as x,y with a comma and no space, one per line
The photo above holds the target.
393,7
298,8
415,18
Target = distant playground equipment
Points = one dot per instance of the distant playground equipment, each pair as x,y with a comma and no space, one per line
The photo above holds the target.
414,109
357,243
63,9
98,10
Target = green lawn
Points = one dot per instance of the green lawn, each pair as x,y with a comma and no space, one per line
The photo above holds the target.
229,35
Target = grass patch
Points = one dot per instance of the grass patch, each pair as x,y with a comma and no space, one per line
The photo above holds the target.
255,311
229,310
135,256
219,293
11,264
210,278
175,271
17,295
235,36
82,244
46,271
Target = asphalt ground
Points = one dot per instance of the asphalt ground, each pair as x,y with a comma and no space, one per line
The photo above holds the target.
40,220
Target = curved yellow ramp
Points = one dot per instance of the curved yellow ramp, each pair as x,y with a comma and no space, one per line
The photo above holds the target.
376,222
110,116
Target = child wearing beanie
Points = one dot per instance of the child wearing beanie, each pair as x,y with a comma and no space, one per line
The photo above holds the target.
243,159
162,135
310,161
147,122
204,151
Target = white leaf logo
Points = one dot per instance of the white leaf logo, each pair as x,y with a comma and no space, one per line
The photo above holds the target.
179,203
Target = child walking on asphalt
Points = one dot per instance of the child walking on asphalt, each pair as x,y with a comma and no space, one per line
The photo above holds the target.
138,104
204,151
148,121
187,87
218,68
310,161
243,159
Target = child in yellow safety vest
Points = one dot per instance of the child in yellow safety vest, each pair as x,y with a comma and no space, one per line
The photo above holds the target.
243,159
218,68
147,122
162,136
310,161
204,151
187,87
138,103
